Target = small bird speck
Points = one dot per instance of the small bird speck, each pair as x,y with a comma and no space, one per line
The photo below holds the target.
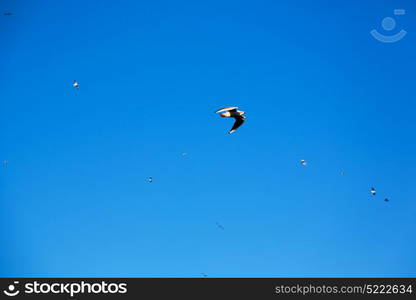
219,225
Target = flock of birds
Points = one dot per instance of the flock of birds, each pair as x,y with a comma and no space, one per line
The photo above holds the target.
226,112
239,117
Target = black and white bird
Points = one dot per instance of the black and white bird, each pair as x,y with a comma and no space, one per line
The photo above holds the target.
373,191
303,162
76,84
232,112
150,179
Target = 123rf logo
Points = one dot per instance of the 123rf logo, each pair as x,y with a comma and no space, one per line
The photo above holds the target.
70,289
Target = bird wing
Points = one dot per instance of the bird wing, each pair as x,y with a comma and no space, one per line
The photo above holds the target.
239,120
230,109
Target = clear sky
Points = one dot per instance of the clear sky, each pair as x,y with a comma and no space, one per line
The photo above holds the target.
315,85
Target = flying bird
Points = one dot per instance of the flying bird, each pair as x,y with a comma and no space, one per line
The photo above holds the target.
8,14
150,179
303,162
232,112
386,200
76,84
373,191
219,225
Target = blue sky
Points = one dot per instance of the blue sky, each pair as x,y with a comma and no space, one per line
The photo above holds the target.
315,85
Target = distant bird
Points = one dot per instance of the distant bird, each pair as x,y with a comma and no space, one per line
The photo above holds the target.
76,84
386,200
205,275
150,179
8,14
219,225
373,191
232,112
303,162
